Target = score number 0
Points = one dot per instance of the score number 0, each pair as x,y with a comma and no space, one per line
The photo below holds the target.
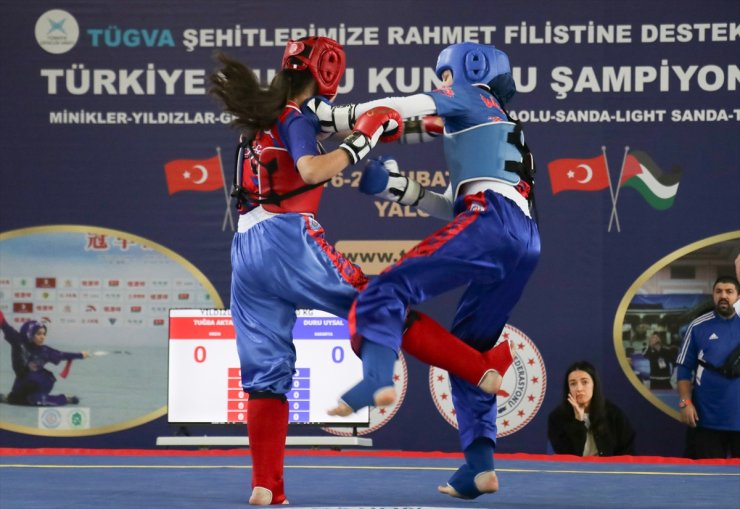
199,354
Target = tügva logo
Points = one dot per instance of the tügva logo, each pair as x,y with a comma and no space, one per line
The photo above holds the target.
57,31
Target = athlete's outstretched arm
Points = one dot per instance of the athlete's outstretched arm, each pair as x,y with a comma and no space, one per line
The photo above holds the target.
10,334
382,178
439,205
342,118
369,128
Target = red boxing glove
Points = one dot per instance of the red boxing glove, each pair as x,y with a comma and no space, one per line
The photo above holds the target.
2,318
433,125
381,117
393,128
374,124
422,129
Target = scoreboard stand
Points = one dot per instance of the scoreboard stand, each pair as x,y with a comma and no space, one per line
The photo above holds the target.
226,441
204,379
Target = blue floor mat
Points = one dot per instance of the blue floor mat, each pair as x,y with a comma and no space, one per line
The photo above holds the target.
211,482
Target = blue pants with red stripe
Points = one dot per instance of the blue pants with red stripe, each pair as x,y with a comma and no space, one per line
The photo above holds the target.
281,264
491,248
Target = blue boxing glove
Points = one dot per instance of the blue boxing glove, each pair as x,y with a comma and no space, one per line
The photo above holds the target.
383,179
375,178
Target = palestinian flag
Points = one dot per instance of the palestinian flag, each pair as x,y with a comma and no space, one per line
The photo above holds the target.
657,187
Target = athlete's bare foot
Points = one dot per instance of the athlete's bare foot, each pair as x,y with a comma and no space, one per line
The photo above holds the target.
499,358
491,381
262,496
449,490
342,410
485,482
382,397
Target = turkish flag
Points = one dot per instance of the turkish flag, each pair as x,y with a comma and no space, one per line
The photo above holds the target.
194,175
578,174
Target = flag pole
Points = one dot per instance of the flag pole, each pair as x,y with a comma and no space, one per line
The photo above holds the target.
611,190
227,215
614,215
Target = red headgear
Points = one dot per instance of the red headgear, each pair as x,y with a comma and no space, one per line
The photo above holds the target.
322,56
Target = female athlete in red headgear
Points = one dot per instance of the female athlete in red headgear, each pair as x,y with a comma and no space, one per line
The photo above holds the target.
280,258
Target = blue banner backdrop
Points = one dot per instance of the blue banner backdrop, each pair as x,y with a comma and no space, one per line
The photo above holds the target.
630,107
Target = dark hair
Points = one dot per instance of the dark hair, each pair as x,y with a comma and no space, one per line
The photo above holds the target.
253,107
727,279
597,406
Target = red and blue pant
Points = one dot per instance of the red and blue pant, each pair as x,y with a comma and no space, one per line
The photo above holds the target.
281,264
491,248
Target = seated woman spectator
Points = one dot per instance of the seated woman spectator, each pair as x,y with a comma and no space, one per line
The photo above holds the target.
585,423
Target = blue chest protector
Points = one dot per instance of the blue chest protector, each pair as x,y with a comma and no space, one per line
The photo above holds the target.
482,152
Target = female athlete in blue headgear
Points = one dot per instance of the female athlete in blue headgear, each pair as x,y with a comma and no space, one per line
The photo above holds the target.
280,258
33,382
491,246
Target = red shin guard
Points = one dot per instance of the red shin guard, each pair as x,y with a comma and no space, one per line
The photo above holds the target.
499,357
267,424
431,343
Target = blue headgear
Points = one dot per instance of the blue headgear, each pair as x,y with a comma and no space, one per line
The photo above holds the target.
30,328
476,64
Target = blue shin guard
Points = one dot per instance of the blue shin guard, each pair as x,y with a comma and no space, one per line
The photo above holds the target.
464,482
479,458
377,369
479,454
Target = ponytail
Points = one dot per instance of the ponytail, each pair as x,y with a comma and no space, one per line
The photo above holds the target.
254,108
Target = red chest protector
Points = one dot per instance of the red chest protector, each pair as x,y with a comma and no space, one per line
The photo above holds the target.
279,187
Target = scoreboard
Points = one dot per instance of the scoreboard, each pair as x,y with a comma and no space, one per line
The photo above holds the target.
204,377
